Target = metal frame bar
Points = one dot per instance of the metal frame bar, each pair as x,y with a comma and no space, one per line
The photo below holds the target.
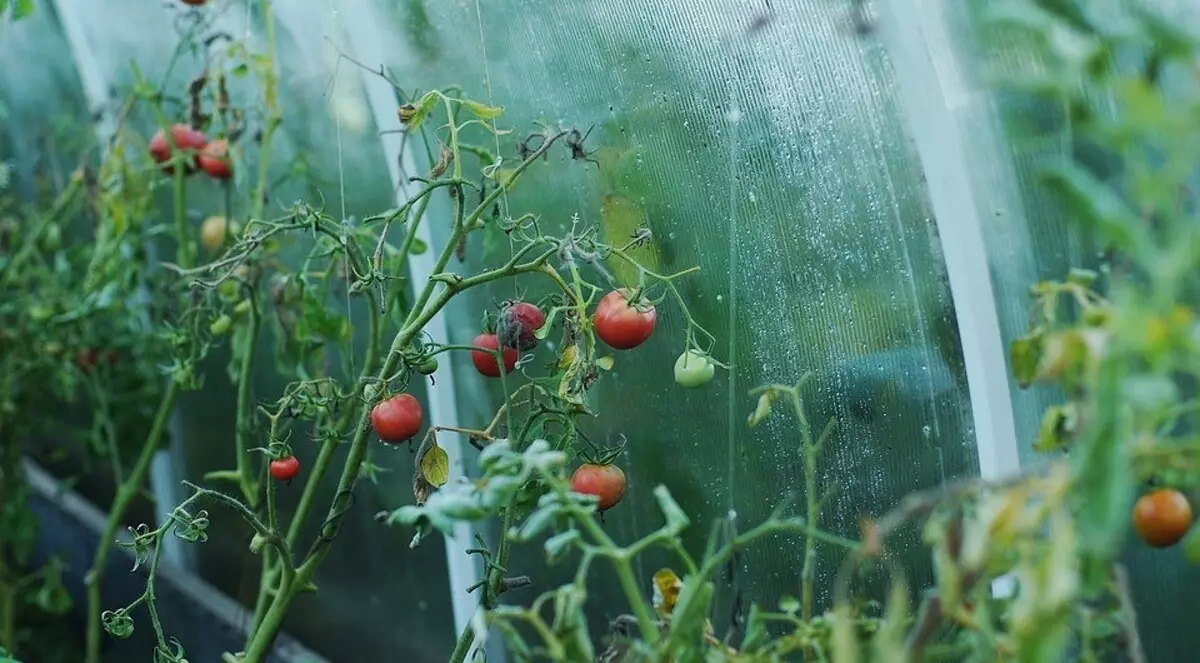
917,40
464,571
165,467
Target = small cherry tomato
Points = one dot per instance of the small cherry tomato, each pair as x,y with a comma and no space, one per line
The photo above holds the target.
212,232
1162,517
694,369
428,366
397,419
88,358
221,325
285,469
606,482
486,362
214,160
622,326
186,138
194,3
518,325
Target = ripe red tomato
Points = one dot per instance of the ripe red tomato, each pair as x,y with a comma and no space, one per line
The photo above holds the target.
623,326
87,358
606,482
186,138
214,160
285,469
1162,517
398,419
485,362
518,324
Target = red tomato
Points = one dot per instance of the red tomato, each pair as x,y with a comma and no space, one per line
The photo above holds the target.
518,324
87,358
1162,517
606,482
214,160
623,326
285,469
485,362
186,138
398,419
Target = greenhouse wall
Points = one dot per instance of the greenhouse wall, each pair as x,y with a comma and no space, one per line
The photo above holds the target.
860,197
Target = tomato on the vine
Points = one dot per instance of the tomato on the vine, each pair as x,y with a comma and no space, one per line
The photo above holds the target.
397,419
518,325
621,325
285,469
428,366
1162,517
186,138
214,160
486,362
694,369
87,358
212,232
606,482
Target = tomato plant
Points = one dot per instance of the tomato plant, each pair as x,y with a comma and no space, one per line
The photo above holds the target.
1162,518
397,419
285,469
604,482
621,325
484,357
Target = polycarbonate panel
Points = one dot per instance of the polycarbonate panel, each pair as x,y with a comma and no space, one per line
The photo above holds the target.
771,152
371,586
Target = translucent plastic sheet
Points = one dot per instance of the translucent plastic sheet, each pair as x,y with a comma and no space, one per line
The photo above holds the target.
771,153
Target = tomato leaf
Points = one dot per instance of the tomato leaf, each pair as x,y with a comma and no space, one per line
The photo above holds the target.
1025,355
762,410
435,465
558,545
412,115
22,9
677,520
483,111
1104,482
605,363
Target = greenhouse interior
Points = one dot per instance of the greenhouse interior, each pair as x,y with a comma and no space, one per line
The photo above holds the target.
330,331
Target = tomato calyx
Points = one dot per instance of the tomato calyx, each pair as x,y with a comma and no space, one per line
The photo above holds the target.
596,455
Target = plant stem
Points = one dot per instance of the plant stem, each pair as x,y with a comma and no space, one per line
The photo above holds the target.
813,510
463,646
245,406
126,493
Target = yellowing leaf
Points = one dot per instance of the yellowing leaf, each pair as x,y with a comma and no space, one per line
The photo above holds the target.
482,111
567,357
667,586
435,465
605,363
620,220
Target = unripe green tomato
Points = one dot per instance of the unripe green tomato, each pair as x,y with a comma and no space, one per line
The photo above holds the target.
694,369
221,325
243,307
428,367
1191,546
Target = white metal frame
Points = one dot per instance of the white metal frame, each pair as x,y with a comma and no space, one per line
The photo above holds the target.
915,36
367,47
165,470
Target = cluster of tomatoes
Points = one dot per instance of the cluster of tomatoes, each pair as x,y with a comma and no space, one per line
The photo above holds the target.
1162,517
212,157
617,323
